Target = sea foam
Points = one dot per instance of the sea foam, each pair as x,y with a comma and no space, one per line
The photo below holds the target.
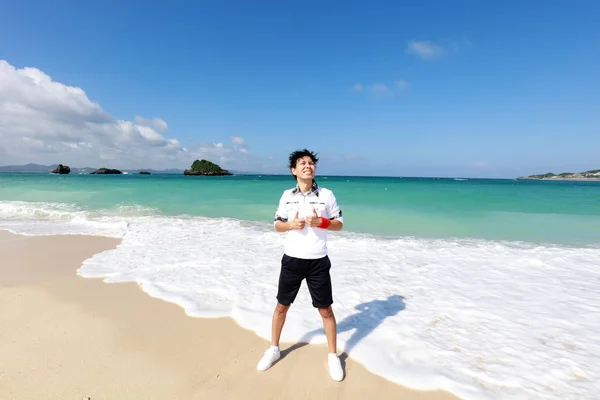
478,318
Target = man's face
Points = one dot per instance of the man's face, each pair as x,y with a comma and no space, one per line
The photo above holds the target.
305,168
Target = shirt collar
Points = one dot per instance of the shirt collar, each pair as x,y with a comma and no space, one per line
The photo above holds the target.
314,189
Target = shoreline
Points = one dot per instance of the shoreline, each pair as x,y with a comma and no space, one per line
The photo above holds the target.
560,179
102,340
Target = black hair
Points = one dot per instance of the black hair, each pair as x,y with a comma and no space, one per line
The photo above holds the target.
298,154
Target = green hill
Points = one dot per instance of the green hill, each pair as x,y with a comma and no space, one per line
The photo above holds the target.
207,168
592,175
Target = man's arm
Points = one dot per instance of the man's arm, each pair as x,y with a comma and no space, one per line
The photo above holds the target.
335,225
281,226
280,220
335,215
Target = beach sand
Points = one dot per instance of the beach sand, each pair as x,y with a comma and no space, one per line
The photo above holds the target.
67,337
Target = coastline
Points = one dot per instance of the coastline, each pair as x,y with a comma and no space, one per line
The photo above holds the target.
103,340
560,179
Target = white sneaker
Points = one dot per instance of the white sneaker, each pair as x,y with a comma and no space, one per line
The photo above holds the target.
271,355
335,367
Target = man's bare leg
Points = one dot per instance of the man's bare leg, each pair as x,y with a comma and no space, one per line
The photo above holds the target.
335,368
329,324
273,353
278,320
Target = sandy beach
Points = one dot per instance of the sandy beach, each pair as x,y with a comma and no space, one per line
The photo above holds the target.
66,337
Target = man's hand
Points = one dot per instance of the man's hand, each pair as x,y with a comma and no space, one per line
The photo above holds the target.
313,220
297,223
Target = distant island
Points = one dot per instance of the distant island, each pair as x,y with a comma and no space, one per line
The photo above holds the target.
207,168
61,169
45,169
106,171
593,175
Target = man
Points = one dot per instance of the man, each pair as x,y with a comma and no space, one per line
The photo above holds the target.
306,213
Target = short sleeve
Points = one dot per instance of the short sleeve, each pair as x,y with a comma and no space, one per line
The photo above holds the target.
333,210
281,213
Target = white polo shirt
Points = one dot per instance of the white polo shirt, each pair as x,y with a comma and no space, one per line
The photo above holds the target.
308,243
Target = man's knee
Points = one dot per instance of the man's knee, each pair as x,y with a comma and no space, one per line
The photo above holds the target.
281,309
326,313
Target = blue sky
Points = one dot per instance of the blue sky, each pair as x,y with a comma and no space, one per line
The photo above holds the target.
468,88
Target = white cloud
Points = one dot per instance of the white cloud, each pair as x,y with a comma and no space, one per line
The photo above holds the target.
428,50
34,142
379,91
230,157
238,140
155,123
425,49
357,88
47,122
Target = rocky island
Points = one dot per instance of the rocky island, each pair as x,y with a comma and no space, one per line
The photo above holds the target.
593,175
105,171
207,168
61,169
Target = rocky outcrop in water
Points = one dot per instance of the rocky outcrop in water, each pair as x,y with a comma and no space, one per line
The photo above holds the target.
106,171
62,169
204,167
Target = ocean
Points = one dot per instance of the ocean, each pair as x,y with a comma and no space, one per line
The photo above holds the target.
486,288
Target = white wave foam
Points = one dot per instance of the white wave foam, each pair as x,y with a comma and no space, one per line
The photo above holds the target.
43,218
21,210
480,319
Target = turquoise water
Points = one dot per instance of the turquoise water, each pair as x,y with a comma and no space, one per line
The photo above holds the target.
533,211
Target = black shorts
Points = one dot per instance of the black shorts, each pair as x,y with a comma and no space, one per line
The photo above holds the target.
316,272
